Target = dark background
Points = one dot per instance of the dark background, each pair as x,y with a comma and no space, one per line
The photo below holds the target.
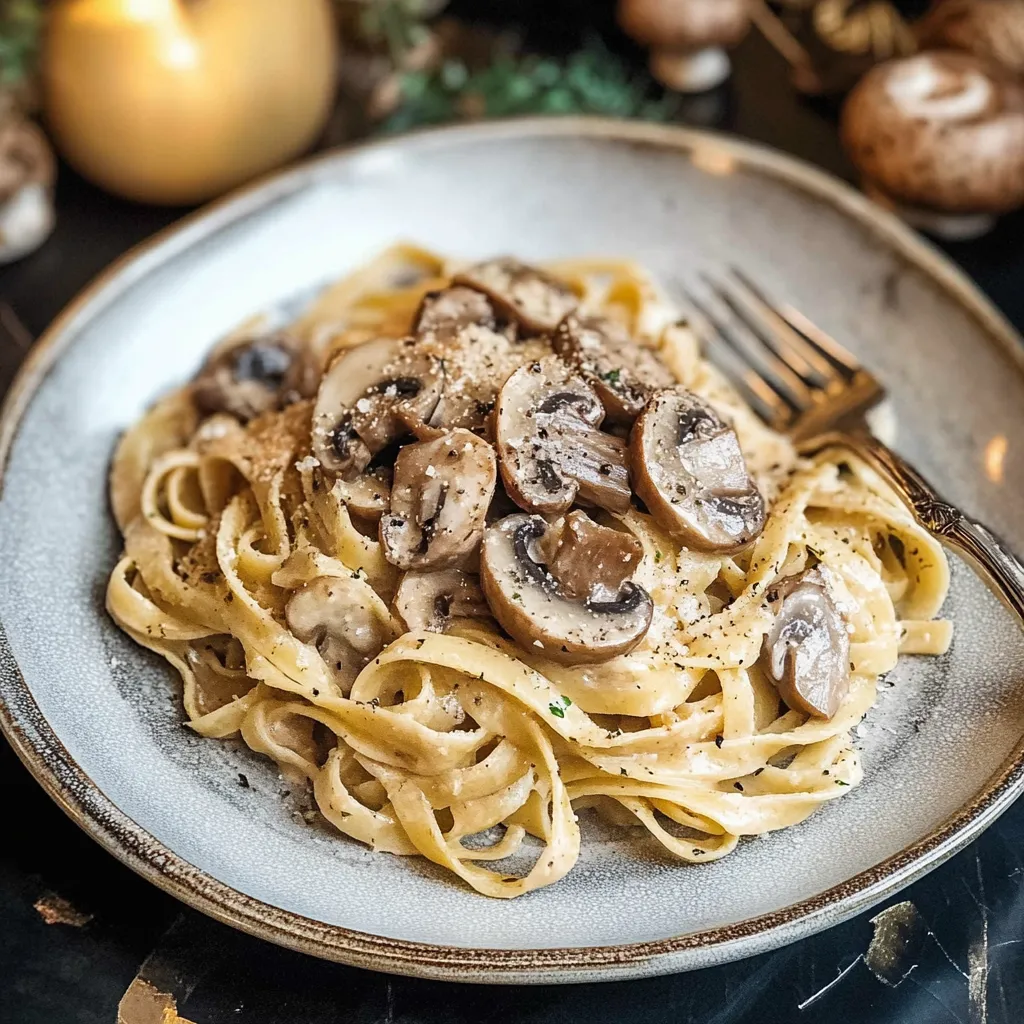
961,958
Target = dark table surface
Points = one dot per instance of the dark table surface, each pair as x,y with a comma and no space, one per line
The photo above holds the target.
956,952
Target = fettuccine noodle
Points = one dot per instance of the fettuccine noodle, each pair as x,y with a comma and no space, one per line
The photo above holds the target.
464,747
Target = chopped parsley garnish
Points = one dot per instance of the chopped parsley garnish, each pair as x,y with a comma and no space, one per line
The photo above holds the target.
839,782
658,556
612,376
517,596
557,707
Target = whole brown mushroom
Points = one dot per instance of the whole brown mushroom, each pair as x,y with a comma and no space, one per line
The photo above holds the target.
27,172
990,29
687,38
939,138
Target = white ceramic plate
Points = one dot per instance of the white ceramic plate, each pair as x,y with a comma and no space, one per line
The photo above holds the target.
99,721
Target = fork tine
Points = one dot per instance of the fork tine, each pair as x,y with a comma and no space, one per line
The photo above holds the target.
772,406
792,345
771,331
752,344
814,339
819,339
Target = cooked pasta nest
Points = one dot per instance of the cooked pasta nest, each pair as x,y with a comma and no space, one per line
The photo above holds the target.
449,739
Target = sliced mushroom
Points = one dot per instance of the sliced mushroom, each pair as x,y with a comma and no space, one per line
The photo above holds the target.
431,600
439,501
537,301
563,617
689,470
622,372
807,652
588,559
477,361
368,495
332,614
371,396
254,376
550,449
443,315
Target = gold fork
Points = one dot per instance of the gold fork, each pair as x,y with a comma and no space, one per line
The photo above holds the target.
805,384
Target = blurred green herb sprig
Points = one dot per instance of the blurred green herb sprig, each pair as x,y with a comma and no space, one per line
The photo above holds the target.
398,25
20,23
590,81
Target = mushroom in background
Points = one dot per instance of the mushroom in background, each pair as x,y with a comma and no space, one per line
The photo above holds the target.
687,38
27,172
939,138
990,29
564,589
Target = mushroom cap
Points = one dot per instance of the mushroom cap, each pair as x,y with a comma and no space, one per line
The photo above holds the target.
550,449
444,314
684,24
252,376
622,372
25,156
941,130
371,396
535,300
535,608
807,651
688,469
331,612
990,29
431,600
439,500
367,495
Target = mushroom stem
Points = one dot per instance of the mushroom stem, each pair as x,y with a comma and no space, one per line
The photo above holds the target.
691,70
630,598
532,529
952,227
26,219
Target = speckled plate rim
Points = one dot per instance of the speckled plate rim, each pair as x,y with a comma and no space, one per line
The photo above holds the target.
79,797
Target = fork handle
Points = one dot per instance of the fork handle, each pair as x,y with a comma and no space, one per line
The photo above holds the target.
982,548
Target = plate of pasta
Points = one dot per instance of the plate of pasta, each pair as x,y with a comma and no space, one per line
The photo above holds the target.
388,572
